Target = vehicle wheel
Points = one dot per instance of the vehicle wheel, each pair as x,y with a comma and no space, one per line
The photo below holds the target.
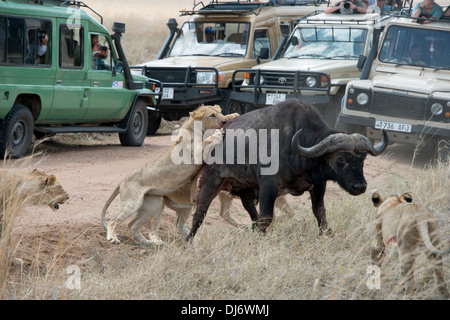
16,132
137,129
154,121
443,150
234,107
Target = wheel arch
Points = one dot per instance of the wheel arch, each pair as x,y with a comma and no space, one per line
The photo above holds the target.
31,101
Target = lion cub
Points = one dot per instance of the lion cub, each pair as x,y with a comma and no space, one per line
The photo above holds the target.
408,225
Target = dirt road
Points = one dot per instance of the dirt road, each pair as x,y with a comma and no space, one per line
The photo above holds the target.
90,169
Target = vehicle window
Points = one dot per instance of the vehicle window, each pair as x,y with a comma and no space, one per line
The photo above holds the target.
71,47
227,39
326,43
101,52
261,40
38,41
413,46
2,40
25,41
14,41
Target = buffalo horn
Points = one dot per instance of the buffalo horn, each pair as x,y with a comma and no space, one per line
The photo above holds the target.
340,142
363,144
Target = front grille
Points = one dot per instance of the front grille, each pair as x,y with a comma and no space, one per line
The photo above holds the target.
399,105
167,75
279,79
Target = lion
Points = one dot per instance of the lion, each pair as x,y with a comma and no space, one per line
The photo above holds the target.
407,225
145,191
20,188
185,199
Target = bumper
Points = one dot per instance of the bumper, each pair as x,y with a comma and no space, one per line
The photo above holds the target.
412,137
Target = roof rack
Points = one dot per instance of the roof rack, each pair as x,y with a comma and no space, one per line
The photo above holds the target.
335,19
60,3
81,4
239,7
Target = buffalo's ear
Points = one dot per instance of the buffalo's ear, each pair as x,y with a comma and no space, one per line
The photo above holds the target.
406,197
377,199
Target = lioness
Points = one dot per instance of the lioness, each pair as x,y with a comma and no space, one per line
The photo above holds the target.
145,191
24,188
406,224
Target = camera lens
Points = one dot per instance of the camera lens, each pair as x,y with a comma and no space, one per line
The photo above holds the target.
347,5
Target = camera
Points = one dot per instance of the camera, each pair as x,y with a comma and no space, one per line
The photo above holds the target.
345,9
101,48
41,35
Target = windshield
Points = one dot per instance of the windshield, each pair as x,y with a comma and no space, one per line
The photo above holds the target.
415,46
227,39
326,43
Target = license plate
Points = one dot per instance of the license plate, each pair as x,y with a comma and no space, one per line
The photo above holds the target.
167,93
393,126
274,98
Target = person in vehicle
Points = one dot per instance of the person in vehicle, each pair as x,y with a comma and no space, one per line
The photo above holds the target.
427,9
209,34
416,55
99,61
354,6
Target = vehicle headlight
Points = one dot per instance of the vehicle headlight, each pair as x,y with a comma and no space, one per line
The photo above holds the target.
362,98
261,80
436,108
205,77
311,81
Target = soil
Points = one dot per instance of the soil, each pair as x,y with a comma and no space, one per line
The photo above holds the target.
90,166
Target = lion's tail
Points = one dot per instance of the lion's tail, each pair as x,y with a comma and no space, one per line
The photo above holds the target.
422,224
108,203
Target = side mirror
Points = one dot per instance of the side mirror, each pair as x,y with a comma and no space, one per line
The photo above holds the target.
294,41
264,53
361,61
118,68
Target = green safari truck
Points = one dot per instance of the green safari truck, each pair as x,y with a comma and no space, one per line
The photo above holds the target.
61,71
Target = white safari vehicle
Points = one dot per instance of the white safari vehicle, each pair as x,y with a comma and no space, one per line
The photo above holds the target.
406,88
316,63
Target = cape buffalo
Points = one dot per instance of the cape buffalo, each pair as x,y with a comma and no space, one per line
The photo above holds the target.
308,151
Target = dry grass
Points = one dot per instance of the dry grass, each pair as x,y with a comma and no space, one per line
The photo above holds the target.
289,262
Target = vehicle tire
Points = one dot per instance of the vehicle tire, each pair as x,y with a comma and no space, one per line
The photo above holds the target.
137,126
16,132
229,106
154,121
442,150
234,107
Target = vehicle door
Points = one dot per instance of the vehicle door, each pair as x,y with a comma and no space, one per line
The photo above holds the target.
70,101
261,39
106,92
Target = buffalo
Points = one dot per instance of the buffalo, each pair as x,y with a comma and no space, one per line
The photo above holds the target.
305,153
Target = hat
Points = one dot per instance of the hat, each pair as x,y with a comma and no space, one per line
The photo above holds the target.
209,29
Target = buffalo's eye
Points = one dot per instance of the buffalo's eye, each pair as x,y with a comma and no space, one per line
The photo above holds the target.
213,115
340,161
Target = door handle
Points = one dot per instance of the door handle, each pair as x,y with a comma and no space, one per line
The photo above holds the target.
58,81
96,83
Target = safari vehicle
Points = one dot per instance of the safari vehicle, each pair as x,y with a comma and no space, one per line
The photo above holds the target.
195,70
52,81
405,87
322,48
